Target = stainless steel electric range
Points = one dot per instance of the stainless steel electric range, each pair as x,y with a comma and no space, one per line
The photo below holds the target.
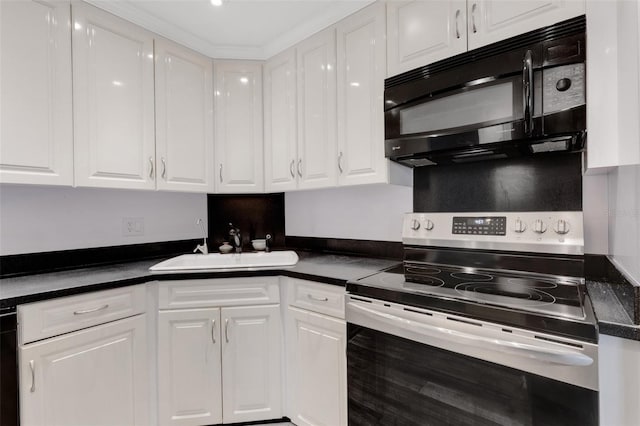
486,322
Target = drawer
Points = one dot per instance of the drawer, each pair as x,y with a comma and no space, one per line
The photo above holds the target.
50,318
317,297
218,292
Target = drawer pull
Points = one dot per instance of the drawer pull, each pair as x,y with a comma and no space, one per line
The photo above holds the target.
32,366
317,299
88,311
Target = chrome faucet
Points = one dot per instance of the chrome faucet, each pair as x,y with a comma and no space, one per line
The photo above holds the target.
235,238
202,248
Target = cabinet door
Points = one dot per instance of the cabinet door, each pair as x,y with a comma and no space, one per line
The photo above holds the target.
251,363
36,134
319,357
421,32
317,160
113,101
494,20
184,118
189,381
361,70
280,144
97,376
238,116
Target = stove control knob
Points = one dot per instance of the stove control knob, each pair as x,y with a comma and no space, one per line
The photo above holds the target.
415,224
520,226
561,227
539,227
428,225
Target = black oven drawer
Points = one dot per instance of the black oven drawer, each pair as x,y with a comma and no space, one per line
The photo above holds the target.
396,381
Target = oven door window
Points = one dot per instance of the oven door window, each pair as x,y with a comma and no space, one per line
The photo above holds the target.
472,107
395,381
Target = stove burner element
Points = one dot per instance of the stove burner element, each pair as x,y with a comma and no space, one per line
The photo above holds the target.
534,284
427,280
519,295
471,276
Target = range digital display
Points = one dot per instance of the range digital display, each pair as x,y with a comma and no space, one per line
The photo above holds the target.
493,225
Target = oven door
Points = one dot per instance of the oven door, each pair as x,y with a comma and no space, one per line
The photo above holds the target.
405,367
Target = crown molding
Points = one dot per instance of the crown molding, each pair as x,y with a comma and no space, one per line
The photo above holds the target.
164,28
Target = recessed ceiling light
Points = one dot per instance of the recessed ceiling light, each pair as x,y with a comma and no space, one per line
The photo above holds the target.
216,2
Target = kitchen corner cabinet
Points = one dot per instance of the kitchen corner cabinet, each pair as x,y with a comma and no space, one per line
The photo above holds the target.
83,376
280,137
219,337
113,96
361,67
184,118
316,354
239,133
316,91
36,136
420,33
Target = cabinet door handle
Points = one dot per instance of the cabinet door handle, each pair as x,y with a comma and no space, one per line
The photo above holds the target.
151,167
457,25
473,18
293,174
32,366
213,331
88,311
340,162
226,330
164,169
300,167
221,173
317,299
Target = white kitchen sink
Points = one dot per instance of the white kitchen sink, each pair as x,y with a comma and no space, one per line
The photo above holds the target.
217,261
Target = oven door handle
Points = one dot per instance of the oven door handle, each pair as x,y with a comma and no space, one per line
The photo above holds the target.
532,352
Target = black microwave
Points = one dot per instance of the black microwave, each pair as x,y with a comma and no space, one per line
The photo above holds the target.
522,96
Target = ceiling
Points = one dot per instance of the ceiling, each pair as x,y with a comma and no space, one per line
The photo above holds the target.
239,29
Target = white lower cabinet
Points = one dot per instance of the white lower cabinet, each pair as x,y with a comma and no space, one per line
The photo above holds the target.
96,376
316,354
220,363
189,367
251,360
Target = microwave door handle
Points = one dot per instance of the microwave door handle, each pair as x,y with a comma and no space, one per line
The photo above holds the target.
527,92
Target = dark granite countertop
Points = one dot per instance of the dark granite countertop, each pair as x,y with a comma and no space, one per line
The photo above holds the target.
613,318
326,268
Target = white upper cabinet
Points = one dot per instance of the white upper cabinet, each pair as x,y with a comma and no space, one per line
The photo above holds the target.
420,32
36,134
184,118
361,67
280,137
613,85
238,120
494,20
113,95
316,77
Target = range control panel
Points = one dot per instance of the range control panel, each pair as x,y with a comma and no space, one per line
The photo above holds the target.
541,232
495,225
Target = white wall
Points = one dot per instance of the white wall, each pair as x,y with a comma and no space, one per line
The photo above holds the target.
595,208
371,212
624,220
38,219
